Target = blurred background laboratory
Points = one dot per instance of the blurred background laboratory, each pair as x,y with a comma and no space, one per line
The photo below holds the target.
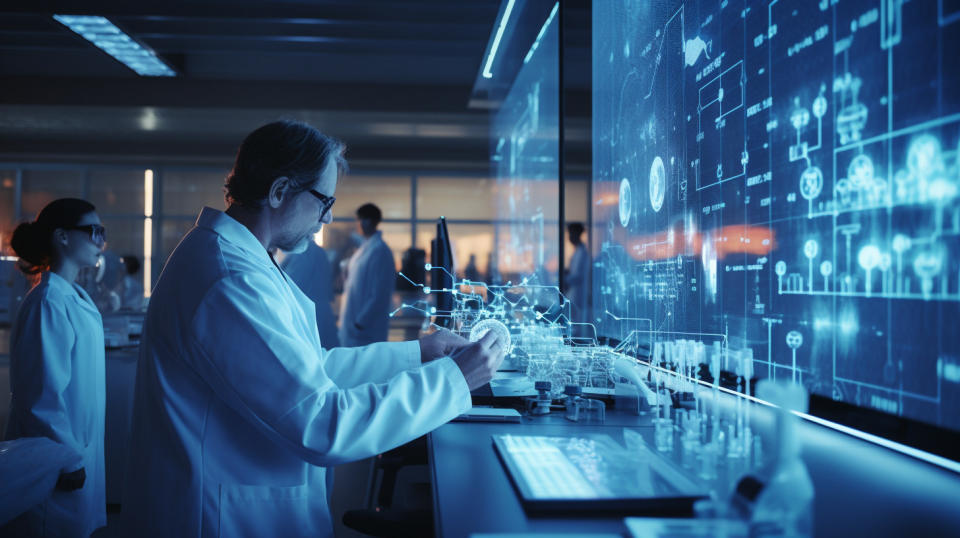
719,240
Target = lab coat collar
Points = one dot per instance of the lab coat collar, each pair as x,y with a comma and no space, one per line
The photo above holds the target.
368,243
231,230
55,281
377,236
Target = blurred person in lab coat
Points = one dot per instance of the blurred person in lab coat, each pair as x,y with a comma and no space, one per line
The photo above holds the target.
371,279
130,288
103,280
312,272
238,409
57,365
470,272
577,276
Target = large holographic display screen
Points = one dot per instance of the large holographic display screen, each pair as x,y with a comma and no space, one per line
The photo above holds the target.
782,177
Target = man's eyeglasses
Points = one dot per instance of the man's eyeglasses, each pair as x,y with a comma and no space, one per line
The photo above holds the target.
97,232
326,201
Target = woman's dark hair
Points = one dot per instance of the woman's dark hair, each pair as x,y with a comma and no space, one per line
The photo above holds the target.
33,241
285,148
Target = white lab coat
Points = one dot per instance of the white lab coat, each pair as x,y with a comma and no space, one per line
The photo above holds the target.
238,409
577,281
310,270
365,307
59,391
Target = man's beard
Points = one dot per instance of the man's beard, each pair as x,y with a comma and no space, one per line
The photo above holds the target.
300,246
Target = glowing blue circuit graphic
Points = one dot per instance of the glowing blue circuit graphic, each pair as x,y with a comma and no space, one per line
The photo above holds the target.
545,354
782,177
534,319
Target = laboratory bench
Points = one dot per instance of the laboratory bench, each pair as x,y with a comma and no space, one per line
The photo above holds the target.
861,489
473,493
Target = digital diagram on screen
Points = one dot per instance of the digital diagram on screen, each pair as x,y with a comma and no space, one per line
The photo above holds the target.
525,161
782,176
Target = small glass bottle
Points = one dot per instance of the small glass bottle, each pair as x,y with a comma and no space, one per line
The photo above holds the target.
663,434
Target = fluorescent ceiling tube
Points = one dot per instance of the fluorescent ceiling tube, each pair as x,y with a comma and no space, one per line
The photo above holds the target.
110,39
488,65
543,30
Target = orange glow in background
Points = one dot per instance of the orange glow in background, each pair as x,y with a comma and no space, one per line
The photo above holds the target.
675,242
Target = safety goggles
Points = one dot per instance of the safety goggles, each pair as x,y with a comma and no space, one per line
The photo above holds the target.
98,234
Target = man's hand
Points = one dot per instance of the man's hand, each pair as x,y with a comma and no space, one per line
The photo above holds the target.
441,343
480,360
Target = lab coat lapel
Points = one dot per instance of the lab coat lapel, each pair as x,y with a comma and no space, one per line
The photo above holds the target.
368,246
74,291
234,232
84,300
297,297
361,252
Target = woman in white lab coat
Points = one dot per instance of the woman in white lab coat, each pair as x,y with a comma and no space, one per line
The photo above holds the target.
57,365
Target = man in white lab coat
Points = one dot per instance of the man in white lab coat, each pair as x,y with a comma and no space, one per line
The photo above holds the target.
237,409
371,279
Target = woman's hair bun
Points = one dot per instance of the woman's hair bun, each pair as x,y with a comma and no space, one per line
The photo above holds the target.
32,246
33,241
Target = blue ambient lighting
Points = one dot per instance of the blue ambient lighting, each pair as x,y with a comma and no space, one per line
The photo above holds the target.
543,30
110,39
487,73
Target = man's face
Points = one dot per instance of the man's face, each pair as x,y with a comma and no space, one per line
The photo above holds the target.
301,212
366,227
